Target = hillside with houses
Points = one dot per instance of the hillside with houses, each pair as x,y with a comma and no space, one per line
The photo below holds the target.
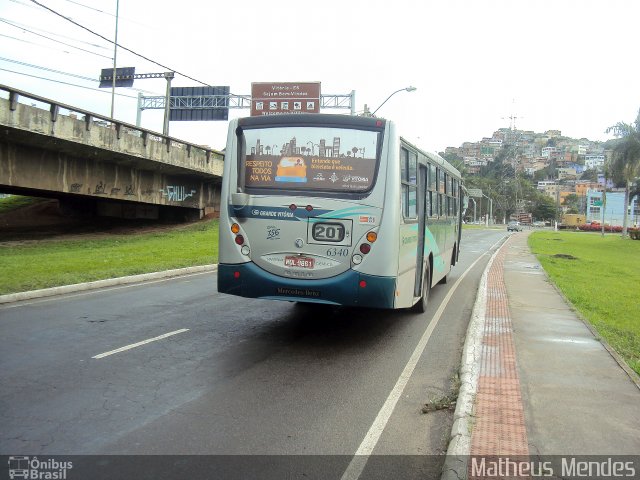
542,176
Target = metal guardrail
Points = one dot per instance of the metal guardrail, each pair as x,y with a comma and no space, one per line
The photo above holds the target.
90,117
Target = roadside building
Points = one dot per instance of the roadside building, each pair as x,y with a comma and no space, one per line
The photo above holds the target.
594,161
582,186
614,210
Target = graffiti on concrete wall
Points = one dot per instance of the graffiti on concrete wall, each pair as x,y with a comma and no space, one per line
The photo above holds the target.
100,188
172,193
177,193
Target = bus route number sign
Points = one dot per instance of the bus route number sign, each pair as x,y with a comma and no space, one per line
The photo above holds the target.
302,262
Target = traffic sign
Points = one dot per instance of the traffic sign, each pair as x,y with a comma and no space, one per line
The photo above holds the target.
279,98
124,77
475,192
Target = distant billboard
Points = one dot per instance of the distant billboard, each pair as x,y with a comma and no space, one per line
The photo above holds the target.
199,103
124,77
269,98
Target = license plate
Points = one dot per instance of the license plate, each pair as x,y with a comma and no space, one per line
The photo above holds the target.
302,262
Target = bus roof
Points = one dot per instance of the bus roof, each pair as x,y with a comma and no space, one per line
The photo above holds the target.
303,119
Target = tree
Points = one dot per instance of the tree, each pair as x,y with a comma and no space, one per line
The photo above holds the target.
591,175
572,202
544,208
626,160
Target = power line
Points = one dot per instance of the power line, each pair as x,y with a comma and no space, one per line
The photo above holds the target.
121,46
40,67
56,34
32,43
91,8
65,83
53,39
106,13
48,69
24,4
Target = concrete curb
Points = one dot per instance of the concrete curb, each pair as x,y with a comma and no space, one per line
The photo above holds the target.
455,466
109,282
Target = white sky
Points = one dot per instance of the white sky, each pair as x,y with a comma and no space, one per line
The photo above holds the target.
570,65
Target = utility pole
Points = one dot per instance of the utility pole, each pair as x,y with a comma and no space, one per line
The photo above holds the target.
115,53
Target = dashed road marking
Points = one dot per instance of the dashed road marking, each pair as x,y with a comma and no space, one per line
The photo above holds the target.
143,342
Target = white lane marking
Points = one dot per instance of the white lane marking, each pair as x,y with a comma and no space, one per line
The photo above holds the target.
357,464
144,342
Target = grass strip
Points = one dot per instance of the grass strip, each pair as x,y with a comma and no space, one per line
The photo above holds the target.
17,201
65,262
601,278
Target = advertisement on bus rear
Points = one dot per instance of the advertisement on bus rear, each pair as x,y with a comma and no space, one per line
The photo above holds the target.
310,158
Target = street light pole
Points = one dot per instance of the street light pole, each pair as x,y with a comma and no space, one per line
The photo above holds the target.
406,89
474,208
490,214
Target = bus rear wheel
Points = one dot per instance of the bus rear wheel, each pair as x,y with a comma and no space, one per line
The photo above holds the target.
421,305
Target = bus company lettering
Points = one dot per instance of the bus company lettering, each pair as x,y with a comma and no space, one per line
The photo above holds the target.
411,239
272,213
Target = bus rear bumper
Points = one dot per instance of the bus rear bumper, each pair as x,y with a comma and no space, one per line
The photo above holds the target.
349,288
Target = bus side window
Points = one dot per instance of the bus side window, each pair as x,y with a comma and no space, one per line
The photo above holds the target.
409,174
433,178
404,164
427,193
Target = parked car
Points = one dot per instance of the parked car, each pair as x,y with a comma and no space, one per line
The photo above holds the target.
538,224
514,226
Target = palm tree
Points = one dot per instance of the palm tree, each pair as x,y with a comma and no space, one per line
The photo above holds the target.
626,159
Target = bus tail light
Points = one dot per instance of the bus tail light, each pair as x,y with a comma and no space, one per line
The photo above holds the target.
365,248
235,228
372,237
363,284
239,239
236,274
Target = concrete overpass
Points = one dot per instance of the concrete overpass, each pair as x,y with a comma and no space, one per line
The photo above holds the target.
91,162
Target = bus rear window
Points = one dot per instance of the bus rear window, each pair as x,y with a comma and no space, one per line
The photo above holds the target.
309,158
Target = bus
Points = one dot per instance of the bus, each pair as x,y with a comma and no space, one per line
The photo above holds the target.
335,209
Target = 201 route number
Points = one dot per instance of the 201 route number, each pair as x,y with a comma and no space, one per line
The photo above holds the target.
328,232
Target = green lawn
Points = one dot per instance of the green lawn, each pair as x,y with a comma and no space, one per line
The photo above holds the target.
64,262
602,281
17,201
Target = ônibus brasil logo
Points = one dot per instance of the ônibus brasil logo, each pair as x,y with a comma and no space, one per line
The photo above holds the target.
34,469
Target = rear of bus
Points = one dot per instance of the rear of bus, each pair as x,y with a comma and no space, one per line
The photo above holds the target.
302,210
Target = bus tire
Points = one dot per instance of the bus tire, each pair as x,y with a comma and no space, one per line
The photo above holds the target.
421,305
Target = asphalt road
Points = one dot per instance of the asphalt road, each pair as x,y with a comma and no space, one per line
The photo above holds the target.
236,376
